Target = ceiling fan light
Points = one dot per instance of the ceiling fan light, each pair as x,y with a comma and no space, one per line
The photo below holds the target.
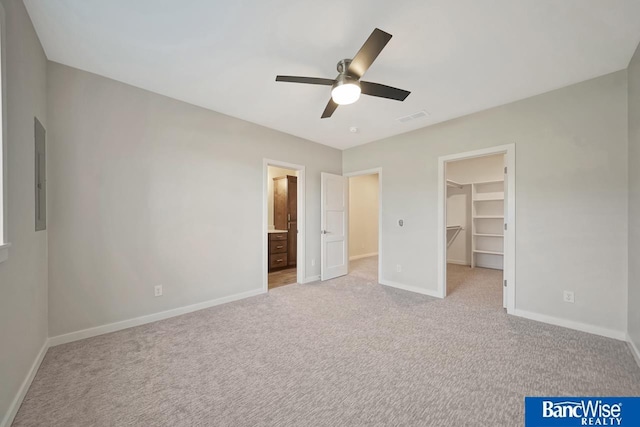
345,93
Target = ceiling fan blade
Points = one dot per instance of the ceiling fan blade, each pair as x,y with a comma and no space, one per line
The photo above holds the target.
383,91
309,80
328,111
368,53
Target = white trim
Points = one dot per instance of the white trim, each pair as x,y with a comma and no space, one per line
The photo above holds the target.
374,171
634,349
571,324
410,288
137,321
457,261
355,257
311,279
510,236
301,255
24,387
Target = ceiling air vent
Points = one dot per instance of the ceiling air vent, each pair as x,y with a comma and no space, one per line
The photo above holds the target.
413,116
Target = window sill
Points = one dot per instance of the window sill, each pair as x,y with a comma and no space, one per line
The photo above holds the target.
4,251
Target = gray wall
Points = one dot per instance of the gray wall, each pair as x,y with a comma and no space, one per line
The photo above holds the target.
634,199
147,190
23,277
571,185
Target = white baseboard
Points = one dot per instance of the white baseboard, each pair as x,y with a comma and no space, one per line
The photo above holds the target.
311,279
491,266
352,258
634,350
410,288
578,326
24,387
137,321
456,261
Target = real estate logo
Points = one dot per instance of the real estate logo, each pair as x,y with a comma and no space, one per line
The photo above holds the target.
581,411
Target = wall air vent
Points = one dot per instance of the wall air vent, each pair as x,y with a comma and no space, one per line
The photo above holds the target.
418,115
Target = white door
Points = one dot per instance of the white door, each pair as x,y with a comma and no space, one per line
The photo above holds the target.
334,222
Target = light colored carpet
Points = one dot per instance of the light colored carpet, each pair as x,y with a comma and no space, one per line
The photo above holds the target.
347,352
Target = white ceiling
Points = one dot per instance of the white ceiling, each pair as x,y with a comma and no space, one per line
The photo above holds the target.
456,57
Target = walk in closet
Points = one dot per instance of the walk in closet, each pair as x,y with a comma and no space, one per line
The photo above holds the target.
476,212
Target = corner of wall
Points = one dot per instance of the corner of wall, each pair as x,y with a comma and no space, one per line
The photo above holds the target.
24,276
633,135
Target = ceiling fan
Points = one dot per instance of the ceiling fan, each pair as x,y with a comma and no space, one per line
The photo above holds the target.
347,87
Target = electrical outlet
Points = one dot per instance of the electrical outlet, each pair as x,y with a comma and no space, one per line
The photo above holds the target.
398,268
157,290
313,262
568,297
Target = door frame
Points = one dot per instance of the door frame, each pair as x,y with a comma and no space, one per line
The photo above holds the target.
372,171
301,252
509,265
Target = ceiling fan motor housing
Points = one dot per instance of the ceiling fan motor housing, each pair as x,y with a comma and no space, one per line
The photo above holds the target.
344,79
343,66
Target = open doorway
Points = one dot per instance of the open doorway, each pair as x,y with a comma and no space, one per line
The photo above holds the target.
364,224
477,212
284,208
